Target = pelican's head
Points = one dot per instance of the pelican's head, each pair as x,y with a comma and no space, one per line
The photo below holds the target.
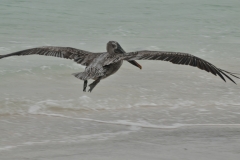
114,47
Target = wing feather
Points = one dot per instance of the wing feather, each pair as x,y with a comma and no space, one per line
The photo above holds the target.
175,58
79,56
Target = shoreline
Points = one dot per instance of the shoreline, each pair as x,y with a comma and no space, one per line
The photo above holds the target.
47,137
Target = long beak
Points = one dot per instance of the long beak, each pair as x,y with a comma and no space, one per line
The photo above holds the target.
135,64
120,50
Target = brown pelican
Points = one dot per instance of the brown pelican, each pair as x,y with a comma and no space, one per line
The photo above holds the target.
102,65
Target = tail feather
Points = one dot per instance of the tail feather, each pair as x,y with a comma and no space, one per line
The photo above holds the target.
80,75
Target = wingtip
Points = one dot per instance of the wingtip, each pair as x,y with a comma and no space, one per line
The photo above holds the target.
2,56
232,74
234,82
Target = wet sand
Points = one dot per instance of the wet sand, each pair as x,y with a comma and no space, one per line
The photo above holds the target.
164,111
58,138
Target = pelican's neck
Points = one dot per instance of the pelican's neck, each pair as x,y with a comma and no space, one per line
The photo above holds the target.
110,49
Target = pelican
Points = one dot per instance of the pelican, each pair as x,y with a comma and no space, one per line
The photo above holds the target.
102,65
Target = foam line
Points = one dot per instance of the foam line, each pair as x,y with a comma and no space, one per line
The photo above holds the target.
138,124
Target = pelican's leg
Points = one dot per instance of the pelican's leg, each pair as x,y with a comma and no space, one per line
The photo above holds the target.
92,85
85,85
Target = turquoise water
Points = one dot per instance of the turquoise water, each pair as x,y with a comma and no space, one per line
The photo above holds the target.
161,94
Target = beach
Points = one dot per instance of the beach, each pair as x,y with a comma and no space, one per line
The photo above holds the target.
163,111
66,138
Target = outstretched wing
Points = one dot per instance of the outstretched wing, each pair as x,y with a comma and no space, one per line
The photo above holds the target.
79,56
174,57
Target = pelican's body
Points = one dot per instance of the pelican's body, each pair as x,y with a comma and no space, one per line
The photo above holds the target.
96,65
102,65
112,68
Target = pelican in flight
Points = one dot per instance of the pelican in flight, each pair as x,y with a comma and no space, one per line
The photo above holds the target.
102,65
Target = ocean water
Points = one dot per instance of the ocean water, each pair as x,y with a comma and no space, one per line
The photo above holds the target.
42,103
